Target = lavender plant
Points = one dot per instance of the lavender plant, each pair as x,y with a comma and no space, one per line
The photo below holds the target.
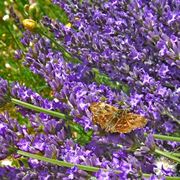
124,53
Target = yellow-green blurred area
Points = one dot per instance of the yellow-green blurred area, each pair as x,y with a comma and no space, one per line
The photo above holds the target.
12,13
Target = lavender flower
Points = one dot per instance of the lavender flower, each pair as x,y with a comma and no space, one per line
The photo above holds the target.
165,167
47,141
134,43
4,92
15,18
8,135
108,175
131,44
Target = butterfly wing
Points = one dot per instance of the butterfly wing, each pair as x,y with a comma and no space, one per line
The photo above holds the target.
128,122
102,113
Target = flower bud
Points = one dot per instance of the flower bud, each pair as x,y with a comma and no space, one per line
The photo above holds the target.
29,24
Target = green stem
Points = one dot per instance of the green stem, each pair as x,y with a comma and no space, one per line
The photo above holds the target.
164,137
168,155
63,163
7,26
174,154
82,167
39,109
171,178
163,153
166,177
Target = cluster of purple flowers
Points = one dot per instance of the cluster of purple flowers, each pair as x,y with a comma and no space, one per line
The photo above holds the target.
133,42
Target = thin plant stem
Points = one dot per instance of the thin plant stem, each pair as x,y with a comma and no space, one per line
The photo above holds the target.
82,167
168,155
163,153
14,38
166,177
39,109
63,163
164,137
174,154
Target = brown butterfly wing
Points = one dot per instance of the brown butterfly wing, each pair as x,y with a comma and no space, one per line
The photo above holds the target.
102,113
114,120
128,122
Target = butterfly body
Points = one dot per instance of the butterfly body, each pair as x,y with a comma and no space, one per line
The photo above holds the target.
115,120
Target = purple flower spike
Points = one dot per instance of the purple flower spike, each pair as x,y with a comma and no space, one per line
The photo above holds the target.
4,92
8,136
135,45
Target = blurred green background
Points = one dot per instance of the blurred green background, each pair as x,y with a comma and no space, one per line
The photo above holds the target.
12,13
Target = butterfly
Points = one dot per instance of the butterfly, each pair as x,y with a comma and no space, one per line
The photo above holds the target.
115,120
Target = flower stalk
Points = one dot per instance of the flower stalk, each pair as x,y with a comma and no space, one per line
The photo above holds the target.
14,38
39,109
63,163
170,155
164,137
167,154
82,167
